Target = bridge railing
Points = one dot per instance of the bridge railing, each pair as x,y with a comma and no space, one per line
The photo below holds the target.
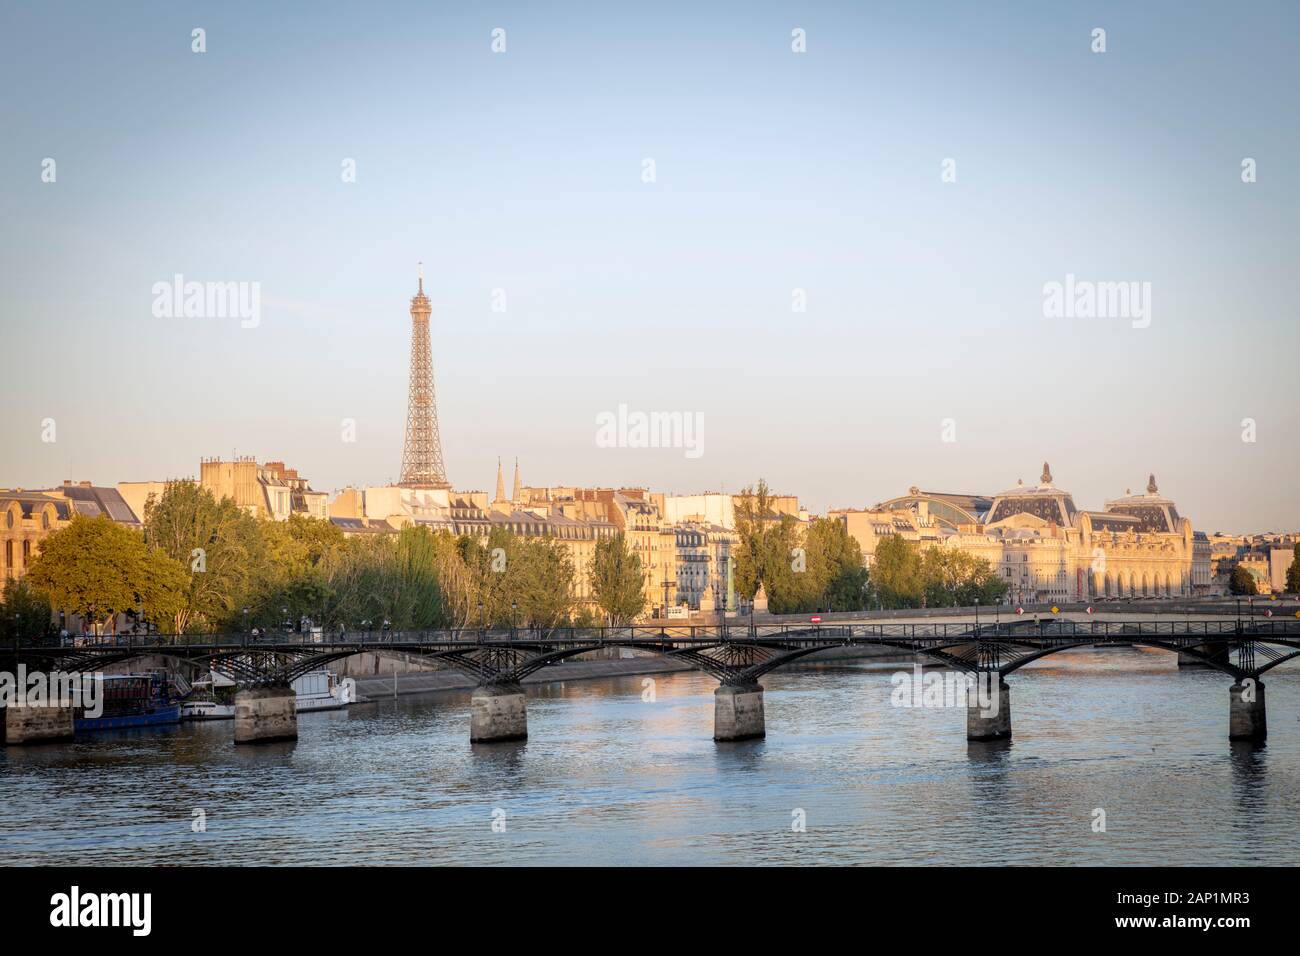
840,632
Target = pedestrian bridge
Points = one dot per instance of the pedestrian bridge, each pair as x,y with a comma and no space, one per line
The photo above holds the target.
737,656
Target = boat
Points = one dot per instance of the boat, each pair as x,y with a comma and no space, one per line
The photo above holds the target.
213,697
132,700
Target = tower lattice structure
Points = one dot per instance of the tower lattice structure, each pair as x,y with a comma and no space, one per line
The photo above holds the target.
422,455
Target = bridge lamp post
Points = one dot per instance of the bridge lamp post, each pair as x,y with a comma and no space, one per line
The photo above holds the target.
481,624
977,615
514,607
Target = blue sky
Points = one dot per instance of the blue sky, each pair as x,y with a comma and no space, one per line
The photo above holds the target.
775,171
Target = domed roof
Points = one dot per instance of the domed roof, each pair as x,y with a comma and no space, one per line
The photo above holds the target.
1155,513
1044,500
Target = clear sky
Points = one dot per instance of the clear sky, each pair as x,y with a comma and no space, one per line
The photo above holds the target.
775,170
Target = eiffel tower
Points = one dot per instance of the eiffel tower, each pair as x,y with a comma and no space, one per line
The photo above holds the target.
422,456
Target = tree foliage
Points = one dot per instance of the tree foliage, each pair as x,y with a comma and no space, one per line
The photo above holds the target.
24,612
218,546
896,573
1242,582
616,580
98,569
904,575
816,568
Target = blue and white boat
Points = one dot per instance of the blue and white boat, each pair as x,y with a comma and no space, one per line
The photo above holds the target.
132,700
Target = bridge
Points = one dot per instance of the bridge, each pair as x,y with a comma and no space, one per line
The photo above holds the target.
738,657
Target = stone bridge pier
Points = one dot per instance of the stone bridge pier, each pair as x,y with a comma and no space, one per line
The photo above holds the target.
266,714
498,712
738,712
35,724
1247,718
989,719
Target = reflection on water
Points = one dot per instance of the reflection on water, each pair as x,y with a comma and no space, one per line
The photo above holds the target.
610,779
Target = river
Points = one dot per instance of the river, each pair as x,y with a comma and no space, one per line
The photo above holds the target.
608,777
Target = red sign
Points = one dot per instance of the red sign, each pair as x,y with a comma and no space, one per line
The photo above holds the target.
816,619
1020,610
1090,609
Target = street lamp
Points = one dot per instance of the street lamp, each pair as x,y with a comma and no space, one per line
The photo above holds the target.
482,624
977,616
514,607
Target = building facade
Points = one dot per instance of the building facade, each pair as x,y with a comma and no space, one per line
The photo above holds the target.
267,491
1044,547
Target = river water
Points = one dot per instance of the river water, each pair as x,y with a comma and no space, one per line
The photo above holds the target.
607,777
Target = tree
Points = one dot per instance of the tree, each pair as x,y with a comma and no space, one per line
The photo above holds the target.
765,550
834,577
616,580
218,546
955,578
896,573
1241,582
298,572
1293,572
434,574
97,569
541,582
24,613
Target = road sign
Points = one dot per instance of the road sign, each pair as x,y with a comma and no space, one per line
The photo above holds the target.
816,619
1021,610
1089,608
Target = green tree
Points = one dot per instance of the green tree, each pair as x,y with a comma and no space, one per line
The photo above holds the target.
1293,572
218,546
834,578
541,582
955,578
302,566
98,569
616,580
1241,582
765,552
896,573
519,581
24,613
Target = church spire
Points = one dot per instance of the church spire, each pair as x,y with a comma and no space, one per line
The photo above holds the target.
501,483
518,489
